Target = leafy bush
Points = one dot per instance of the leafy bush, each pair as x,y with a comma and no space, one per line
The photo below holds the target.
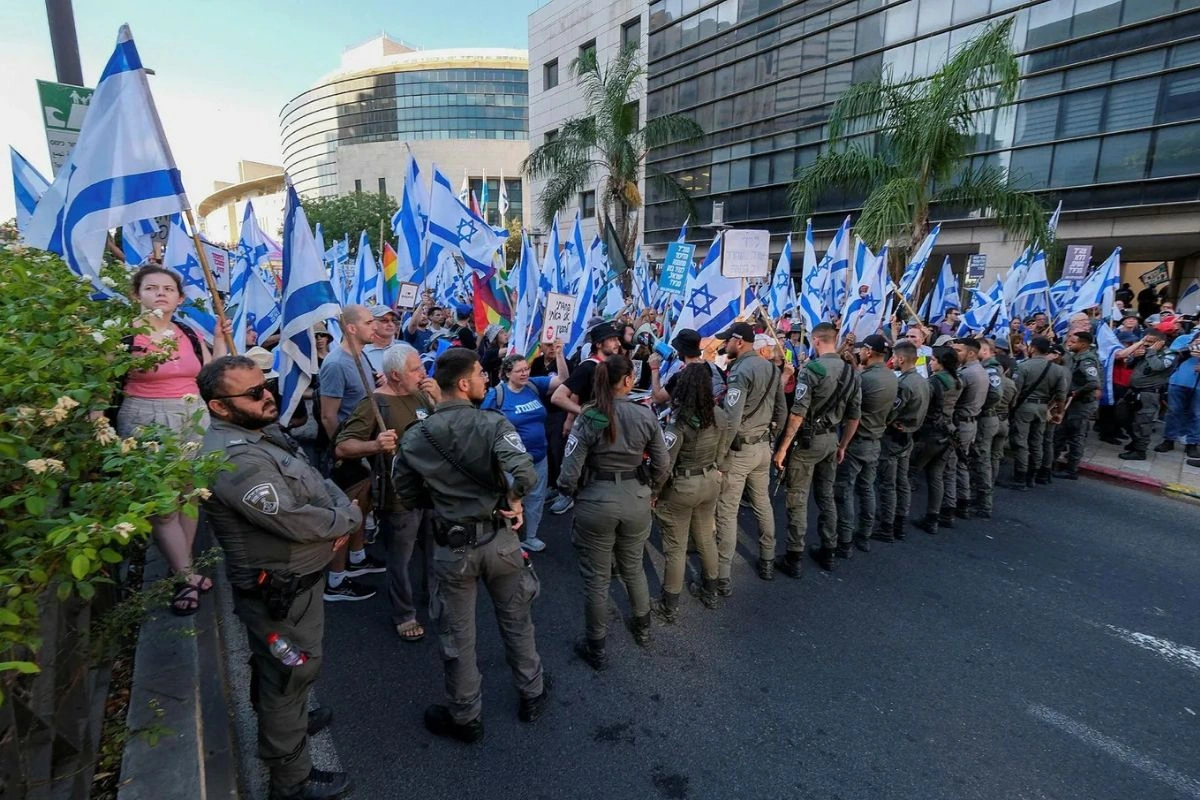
73,495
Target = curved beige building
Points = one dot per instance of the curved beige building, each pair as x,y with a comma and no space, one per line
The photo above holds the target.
464,109
220,213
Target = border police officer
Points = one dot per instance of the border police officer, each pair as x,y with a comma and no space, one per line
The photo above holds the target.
1151,372
279,523
1036,380
1081,404
982,477
475,470
936,436
909,409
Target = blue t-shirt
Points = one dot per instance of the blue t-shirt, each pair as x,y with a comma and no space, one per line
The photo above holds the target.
526,411
1185,372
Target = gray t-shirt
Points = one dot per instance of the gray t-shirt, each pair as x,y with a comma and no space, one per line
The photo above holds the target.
340,381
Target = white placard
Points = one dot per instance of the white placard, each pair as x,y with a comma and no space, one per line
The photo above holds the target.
746,254
560,313
407,297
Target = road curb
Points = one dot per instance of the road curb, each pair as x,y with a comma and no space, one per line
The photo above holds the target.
1176,491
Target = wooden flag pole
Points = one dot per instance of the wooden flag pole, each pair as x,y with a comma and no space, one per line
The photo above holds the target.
218,304
911,310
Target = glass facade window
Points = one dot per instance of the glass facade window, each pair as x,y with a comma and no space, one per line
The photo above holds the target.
550,74
587,205
1109,98
458,103
631,33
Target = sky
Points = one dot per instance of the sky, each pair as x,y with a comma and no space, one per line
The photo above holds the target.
223,69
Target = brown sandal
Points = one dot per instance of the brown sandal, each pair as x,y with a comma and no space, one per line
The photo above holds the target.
411,631
186,601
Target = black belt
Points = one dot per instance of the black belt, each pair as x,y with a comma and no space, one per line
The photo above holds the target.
1037,401
615,476
691,473
306,582
1002,417
988,414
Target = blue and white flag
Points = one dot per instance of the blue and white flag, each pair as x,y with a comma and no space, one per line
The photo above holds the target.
944,295
585,307
781,296
180,255
28,186
366,274
1107,346
307,299
916,264
121,169
643,285
1189,300
863,312
137,240
1014,279
454,226
712,301
836,265
813,280
574,258
552,277
527,316
251,262
408,224
1100,287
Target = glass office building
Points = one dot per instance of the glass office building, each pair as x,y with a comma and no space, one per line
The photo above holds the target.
402,102
1107,117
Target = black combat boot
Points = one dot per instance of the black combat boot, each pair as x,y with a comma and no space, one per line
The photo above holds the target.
823,556
884,533
790,564
863,543
725,587
979,512
319,719
928,523
946,517
593,653
705,592
1192,450
1067,473
640,628
1018,481
1029,477
844,550
898,528
532,707
766,569
1043,477
963,509
319,785
1133,455
439,722
667,609
1165,446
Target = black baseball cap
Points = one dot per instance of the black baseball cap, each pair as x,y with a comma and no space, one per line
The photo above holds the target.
738,330
968,342
876,343
687,342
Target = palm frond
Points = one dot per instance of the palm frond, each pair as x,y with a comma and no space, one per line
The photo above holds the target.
851,168
670,129
987,189
563,185
575,141
887,214
669,186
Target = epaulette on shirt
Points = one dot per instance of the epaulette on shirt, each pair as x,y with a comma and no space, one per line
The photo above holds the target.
596,418
945,378
816,368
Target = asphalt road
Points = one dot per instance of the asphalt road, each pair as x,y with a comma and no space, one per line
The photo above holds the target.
1047,653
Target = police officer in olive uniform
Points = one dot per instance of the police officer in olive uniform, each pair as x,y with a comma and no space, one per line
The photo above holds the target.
278,522
854,489
612,438
828,393
1037,382
936,435
1050,436
908,412
966,421
985,436
1082,402
1150,374
1004,413
472,467
756,406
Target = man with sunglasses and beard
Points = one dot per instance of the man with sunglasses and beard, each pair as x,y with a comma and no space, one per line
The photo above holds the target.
279,523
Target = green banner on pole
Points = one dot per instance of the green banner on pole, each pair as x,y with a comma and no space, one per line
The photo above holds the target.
63,110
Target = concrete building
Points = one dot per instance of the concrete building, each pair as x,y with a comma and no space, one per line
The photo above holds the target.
558,32
220,214
1107,118
463,109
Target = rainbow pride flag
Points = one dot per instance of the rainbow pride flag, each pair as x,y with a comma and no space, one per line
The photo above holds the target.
391,277
491,307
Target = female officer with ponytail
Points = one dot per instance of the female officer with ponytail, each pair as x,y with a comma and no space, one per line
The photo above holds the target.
603,469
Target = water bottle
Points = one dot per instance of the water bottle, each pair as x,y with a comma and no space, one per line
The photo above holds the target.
282,649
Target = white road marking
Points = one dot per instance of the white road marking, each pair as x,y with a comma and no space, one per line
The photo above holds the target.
1179,782
1178,654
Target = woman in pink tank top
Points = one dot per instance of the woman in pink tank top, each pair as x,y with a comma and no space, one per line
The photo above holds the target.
168,396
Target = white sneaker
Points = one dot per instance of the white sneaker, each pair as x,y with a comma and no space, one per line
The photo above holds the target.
534,545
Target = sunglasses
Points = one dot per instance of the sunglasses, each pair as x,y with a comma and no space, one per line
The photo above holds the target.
255,393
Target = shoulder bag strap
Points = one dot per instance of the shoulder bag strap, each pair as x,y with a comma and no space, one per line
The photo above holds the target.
1026,393
451,460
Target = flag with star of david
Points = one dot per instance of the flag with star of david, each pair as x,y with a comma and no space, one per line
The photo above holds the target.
454,226
813,277
710,300
863,312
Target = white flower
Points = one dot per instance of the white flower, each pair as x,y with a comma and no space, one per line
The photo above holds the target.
128,445
98,336
157,313
53,416
25,413
105,434
38,466
66,403
202,493
167,334
111,323
152,446
124,530
107,281
190,447
190,398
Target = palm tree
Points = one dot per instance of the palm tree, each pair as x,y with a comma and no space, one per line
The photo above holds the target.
607,141
914,152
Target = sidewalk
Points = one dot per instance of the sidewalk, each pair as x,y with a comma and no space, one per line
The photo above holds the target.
1163,473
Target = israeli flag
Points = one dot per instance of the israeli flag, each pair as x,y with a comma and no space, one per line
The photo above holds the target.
307,299
1034,288
137,240
712,301
1100,287
366,274
1014,279
121,169
916,265
944,295
1107,346
643,285
180,255
836,264
552,279
252,254
781,297
408,224
585,309
527,317
1189,301
575,258
28,186
813,279
454,226
863,312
